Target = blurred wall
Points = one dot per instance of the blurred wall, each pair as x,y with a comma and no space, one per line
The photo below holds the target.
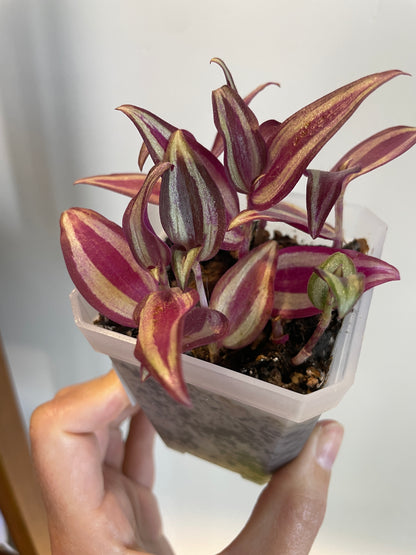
64,67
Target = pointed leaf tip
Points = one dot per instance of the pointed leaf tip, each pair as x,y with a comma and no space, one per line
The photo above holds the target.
128,184
154,131
295,266
227,72
302,135
160,338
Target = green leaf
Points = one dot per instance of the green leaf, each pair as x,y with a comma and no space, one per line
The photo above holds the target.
338,264
296,265
346,290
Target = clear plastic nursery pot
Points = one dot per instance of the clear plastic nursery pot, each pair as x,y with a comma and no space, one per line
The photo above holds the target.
236,421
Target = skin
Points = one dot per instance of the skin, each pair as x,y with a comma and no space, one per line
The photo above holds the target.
98,488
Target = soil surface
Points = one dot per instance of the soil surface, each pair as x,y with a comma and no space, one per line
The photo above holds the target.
263,359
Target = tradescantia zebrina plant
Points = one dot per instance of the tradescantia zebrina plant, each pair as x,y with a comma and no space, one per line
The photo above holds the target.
215,199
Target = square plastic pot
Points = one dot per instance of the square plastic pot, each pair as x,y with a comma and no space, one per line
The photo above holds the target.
237,421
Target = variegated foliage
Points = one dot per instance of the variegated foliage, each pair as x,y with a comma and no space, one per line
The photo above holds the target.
123,271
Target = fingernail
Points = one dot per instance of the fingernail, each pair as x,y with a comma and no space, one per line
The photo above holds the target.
328,443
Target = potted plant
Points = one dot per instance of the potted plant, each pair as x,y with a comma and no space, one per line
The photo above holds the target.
157,296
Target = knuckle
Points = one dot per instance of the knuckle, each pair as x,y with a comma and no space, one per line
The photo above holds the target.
41,420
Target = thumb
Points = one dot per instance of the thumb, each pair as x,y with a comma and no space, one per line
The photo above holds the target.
290,510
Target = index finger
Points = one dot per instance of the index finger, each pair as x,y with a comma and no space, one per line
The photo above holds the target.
88,406
70,435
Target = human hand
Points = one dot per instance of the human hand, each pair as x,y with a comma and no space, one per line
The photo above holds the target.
98,490
291,508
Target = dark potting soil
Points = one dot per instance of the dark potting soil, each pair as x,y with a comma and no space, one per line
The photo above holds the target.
264,359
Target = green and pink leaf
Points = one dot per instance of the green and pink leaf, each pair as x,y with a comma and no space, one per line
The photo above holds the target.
296,265
346,290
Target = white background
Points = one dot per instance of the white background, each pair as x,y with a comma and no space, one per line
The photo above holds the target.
64,66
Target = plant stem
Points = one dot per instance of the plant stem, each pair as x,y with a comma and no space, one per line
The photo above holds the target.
161,276
339,223
213,352
323,323
245,244
200,284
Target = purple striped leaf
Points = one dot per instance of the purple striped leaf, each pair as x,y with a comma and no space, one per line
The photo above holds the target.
128,184
218,145
266,129
303,134
232,239
148,249
155,131
192,209
257,90
244,294
322,191
227,73
143,156
377,150
159,342
282,212
203,326
244,148
102,266
295,266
